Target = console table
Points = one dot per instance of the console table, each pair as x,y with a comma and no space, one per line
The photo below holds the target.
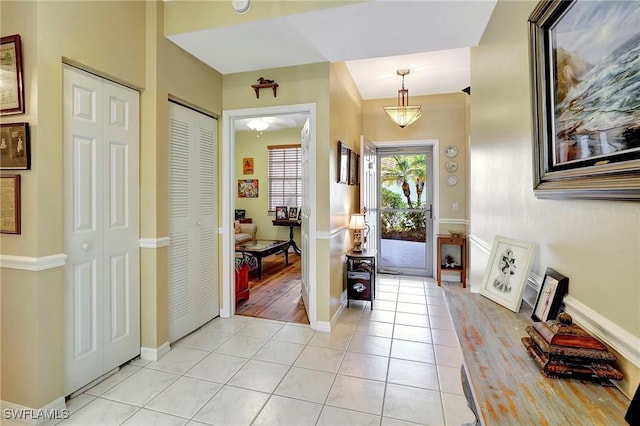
290,224
462,266
505,385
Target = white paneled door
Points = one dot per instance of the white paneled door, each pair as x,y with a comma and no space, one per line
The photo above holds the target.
306,212
101,227
193,219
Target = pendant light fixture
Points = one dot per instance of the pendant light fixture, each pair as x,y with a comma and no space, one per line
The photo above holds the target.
403,114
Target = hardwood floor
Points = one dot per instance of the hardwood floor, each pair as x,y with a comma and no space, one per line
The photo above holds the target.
277,295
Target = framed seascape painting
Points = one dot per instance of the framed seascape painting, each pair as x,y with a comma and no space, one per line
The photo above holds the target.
585,58
554,287
507,271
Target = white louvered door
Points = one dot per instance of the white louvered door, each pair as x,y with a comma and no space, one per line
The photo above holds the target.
100,227
193,218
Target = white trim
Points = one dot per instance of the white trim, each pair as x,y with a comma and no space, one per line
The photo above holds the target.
323,235
154,243
32,263
623,342
333,233
323,326
154,354
464,222
478,242
50,414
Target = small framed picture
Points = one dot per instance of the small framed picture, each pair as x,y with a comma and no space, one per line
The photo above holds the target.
353,168
281,213
10,206
293,213
554,287
343,163
12,101
248,188
15,148
247,166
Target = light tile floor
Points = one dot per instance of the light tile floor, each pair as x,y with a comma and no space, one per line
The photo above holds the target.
398,364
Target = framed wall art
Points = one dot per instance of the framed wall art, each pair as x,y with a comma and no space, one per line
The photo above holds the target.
15,147
507,271
353,168
554,287
247,166
248,188
343,163
586,137
11,78
10,204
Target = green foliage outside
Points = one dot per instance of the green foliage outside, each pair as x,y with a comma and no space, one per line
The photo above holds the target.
401,170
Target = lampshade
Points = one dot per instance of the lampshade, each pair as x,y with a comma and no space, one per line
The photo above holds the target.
357,221
258,124
403,114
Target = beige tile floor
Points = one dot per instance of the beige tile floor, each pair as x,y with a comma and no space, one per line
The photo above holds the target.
398,364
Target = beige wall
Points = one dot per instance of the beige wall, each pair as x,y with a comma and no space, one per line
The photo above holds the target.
443,118
346,126
595,243
111,39
250,146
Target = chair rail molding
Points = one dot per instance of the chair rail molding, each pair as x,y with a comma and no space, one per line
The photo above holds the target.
154,243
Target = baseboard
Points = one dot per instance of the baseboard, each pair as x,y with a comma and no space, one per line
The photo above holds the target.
623,342
324,326
50,414
154,354
27,263
154,243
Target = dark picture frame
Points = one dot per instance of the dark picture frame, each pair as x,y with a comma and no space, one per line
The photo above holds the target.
10,216
293,213
343,163
353,168
554,287
12,100
586,138
15,146
281,213
507,271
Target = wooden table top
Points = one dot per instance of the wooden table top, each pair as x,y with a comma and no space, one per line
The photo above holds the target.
507,385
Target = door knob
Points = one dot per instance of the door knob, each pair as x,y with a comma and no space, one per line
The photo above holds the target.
85,246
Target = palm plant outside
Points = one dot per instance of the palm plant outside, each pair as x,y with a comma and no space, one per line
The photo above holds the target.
400,174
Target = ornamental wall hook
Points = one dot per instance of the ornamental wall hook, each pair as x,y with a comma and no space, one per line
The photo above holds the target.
263,83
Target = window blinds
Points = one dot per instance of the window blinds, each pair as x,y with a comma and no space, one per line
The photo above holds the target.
285,176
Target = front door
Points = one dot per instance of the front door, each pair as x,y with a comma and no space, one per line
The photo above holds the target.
100,227
406,199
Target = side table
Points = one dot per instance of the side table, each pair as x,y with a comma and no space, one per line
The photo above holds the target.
360,276
460,241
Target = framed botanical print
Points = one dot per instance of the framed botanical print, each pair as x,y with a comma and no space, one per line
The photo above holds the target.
507,271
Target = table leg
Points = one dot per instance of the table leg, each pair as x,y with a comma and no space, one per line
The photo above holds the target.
259,268
286,256
292,241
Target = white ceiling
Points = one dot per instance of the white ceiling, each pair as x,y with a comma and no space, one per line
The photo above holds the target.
374,38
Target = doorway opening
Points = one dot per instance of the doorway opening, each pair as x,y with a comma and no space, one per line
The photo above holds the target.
232,119
406,202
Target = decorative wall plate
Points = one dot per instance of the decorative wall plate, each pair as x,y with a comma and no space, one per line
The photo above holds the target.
451,166
451,151
452,180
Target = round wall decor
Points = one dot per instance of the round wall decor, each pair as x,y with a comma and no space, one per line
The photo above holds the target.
452,180
451,166
451,151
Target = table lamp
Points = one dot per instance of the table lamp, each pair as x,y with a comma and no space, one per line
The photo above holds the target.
357,224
